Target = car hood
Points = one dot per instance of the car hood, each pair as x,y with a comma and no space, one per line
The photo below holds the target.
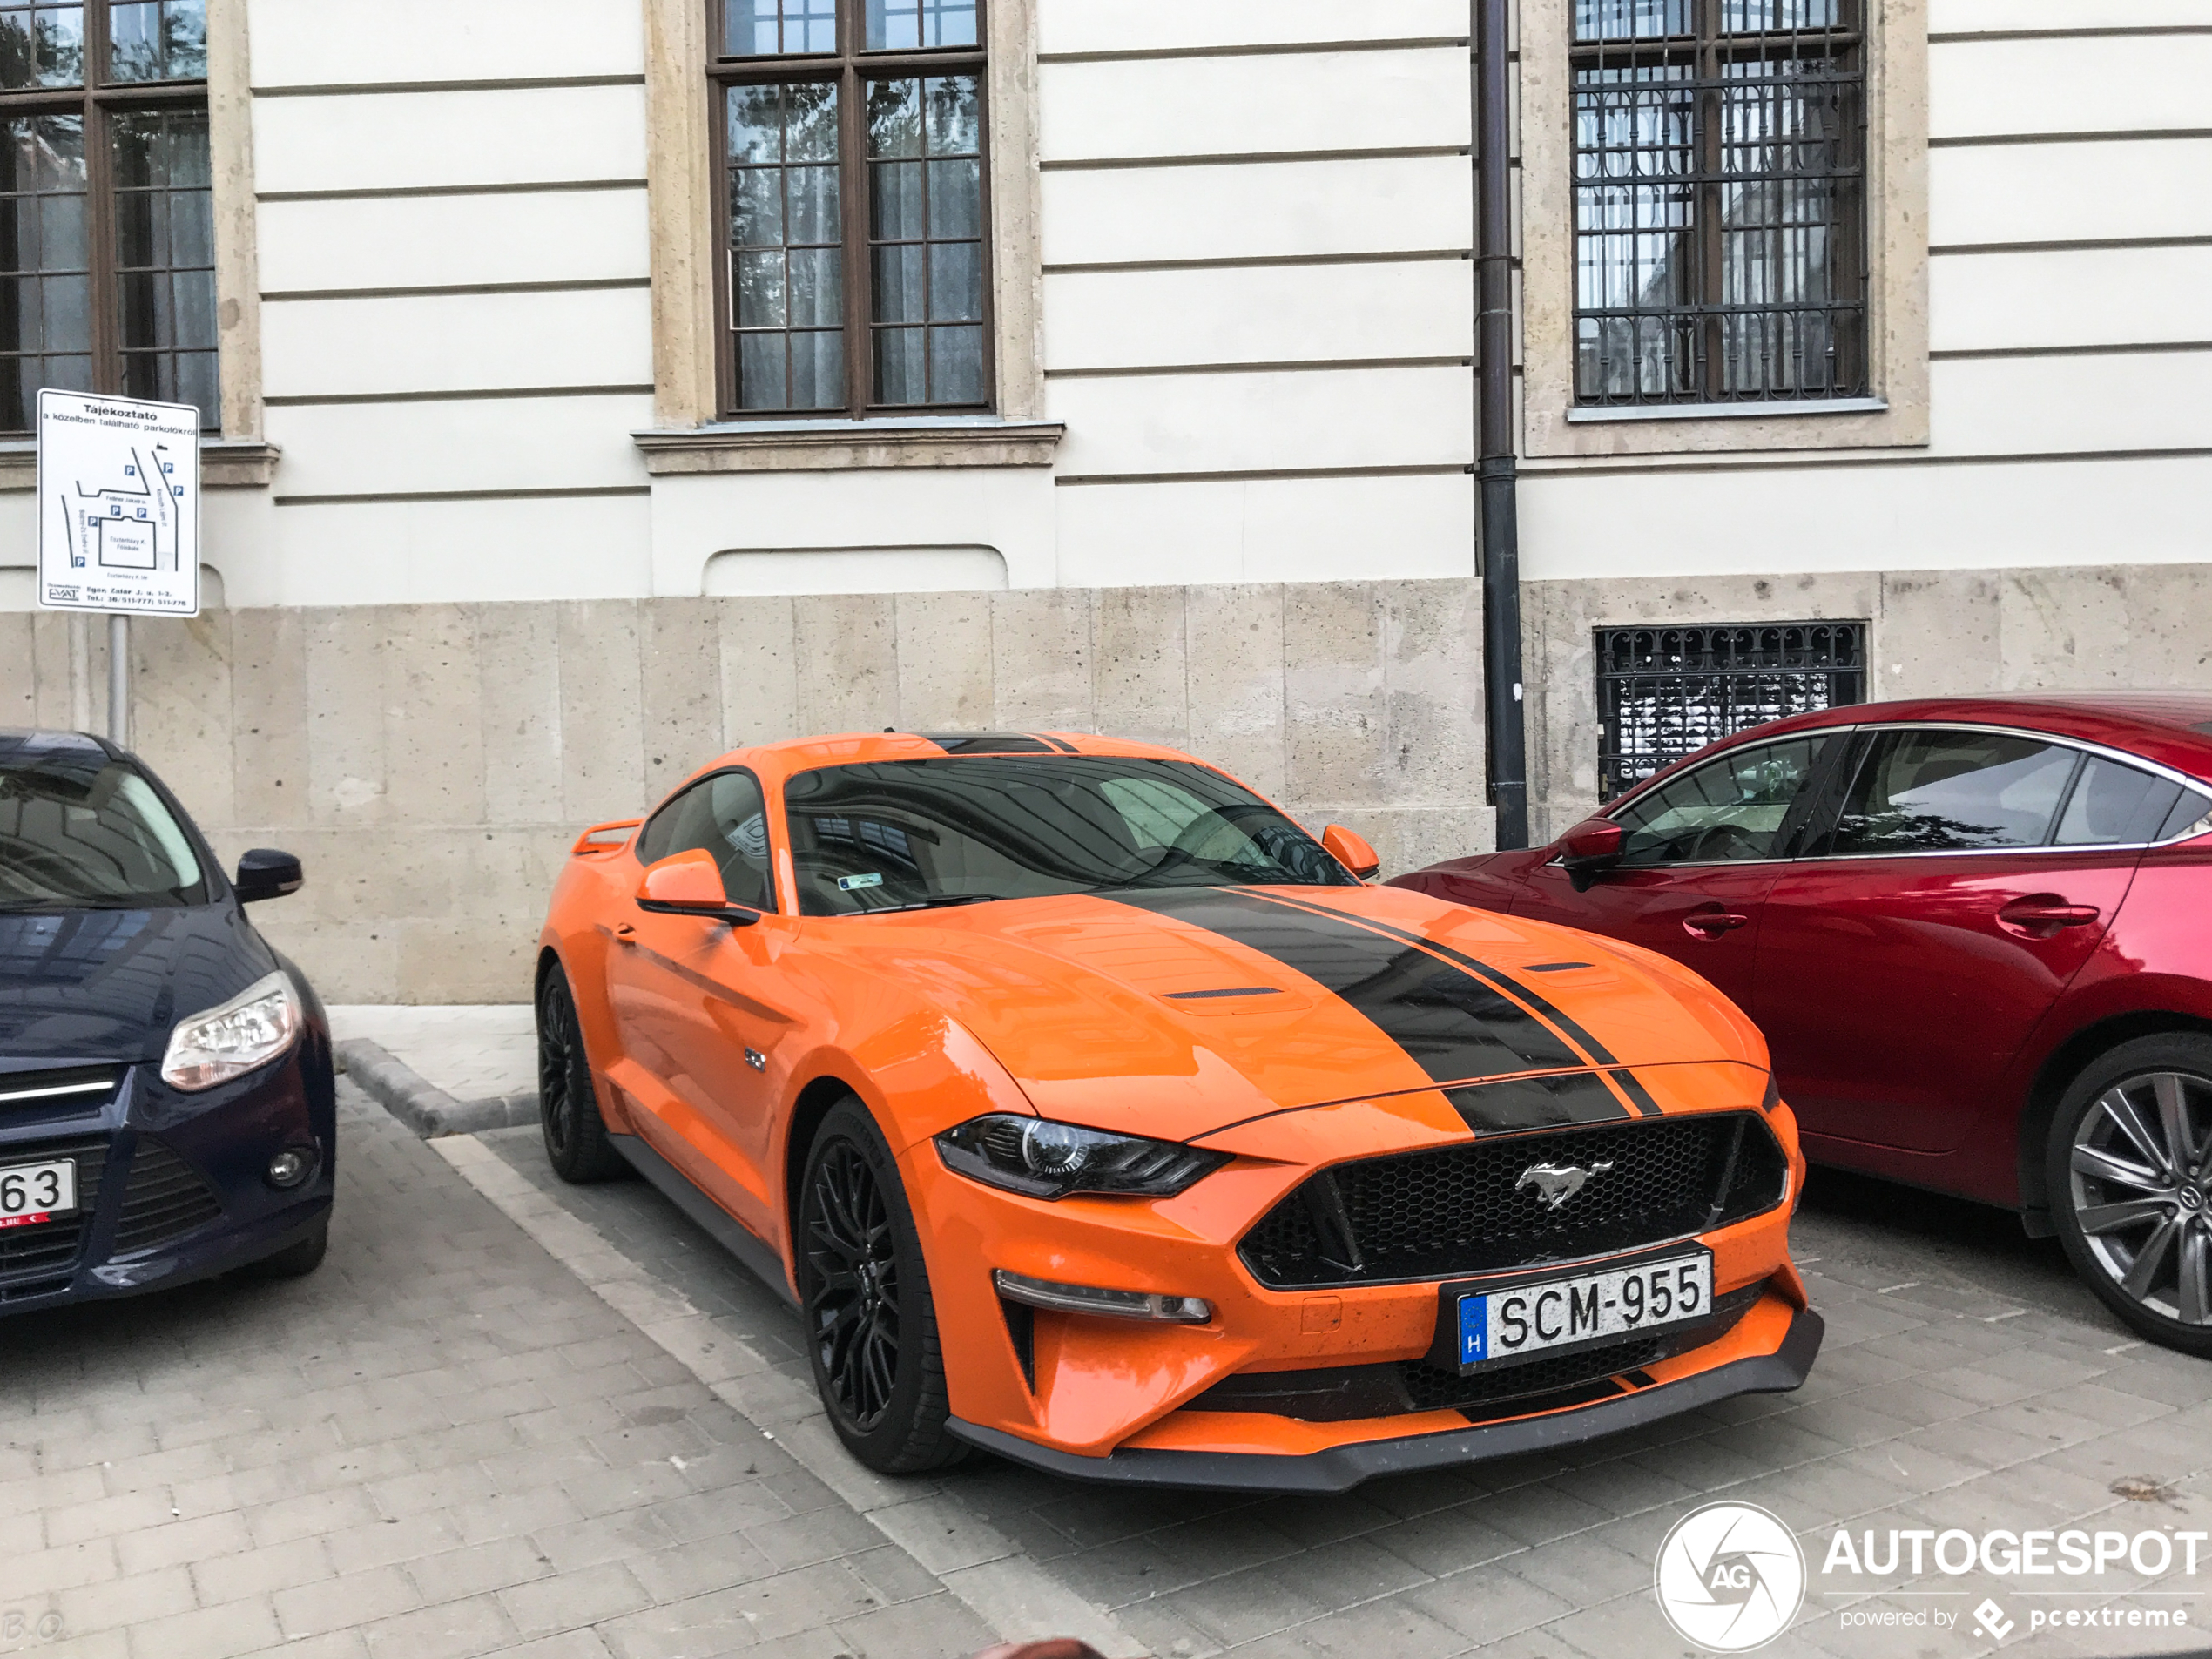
1177,1013
107,985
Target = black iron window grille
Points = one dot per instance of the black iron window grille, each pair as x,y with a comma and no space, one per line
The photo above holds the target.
1720,246
1666,692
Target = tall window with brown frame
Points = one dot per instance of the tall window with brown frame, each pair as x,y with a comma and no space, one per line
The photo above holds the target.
107,248
850,137
1720,242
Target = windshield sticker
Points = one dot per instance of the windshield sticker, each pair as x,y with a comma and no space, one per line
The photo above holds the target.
856,883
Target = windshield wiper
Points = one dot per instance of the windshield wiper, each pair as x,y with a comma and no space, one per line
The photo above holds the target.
941,902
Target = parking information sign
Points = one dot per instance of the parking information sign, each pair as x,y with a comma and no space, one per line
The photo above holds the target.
119,505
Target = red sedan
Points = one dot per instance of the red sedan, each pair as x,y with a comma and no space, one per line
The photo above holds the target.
1975,933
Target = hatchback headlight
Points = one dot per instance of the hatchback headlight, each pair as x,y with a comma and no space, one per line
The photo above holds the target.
250,1030
1043,1159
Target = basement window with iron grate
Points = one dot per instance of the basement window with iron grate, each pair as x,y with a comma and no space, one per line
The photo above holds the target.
1666,692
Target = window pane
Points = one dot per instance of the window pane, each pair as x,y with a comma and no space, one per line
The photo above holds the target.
41,45
2114,804
907,25
45,317
771,28
786,261
1728,810
928,253
165,285
1946,792
157,40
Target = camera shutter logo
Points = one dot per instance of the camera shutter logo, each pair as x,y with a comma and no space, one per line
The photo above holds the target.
1730,1577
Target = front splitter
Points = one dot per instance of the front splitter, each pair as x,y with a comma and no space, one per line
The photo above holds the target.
1342,1467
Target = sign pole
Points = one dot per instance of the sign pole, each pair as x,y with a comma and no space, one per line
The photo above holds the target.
119,678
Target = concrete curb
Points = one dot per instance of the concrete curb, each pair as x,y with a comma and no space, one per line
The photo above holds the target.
421,1105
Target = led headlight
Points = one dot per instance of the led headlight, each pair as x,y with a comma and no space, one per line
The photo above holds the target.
1046,1160
250,1030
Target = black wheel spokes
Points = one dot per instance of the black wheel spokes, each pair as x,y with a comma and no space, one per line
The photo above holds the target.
853,1305
555,1054
2141,1186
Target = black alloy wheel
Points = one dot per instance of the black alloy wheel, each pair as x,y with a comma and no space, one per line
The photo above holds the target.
2130,1177
568,1103
871,1325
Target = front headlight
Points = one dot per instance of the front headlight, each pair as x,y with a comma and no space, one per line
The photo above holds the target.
250,1030
1042,1159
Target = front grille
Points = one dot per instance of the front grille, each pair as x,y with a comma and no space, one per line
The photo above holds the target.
1459,1211
1392,1388
80,1087
165,1200
33,1259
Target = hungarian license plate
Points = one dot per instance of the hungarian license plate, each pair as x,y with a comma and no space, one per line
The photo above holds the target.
1536,1317
30,1193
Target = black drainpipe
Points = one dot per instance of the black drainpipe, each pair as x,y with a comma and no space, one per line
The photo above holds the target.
1506,758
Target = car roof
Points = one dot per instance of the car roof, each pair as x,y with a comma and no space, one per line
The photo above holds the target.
20,746
795,755
2173,728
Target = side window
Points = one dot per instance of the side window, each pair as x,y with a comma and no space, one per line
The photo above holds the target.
2115,805
1953,792
1726,810
723,815
2191,815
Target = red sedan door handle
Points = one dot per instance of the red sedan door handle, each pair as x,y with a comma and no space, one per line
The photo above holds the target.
1710,921
2039,915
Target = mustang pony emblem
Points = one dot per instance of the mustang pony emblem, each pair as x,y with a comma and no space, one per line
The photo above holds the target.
1556,1182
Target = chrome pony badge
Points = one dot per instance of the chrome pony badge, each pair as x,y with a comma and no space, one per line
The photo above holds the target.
1556,1182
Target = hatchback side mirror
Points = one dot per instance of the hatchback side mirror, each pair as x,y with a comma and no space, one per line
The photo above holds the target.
1591,848
263,873
689,884
1350,849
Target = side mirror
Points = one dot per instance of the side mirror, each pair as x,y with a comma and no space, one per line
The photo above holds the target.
263,873
1351,851
1591,848
689,884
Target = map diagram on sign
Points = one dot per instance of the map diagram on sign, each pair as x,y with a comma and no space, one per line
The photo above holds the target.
119,504
129,524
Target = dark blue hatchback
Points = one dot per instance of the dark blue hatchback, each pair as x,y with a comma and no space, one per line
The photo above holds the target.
167,1105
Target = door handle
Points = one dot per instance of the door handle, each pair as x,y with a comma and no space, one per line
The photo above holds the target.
2040,915
1710,921
625,935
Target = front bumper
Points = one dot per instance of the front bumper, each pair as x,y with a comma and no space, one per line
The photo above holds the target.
1339,1468
170,1184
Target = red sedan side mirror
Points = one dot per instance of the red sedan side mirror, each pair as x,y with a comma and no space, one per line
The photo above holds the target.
689,884
1350,850
1592,848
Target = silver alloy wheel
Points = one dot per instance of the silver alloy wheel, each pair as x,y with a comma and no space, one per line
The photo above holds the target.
2141,1185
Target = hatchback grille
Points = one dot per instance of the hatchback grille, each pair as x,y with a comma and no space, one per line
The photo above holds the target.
86,1087
166,1199
1441,1214
49,1250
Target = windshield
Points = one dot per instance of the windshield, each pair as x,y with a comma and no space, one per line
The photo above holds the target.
899,834
80,831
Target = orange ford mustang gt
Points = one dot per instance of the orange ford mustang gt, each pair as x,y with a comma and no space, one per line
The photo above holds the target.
1093,1113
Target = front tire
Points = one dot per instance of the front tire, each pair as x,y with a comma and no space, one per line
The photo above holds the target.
2129,1166
295,1260
863,1289
568,1103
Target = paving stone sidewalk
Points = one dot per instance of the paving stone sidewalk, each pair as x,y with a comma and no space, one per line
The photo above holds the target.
439,1445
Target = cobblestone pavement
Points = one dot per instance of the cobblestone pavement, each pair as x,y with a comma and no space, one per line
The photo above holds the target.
440,1444
562,1422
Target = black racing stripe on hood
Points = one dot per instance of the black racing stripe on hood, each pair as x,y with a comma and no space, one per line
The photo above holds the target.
1537,1103
1496,977
1639,1096
1453,1023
